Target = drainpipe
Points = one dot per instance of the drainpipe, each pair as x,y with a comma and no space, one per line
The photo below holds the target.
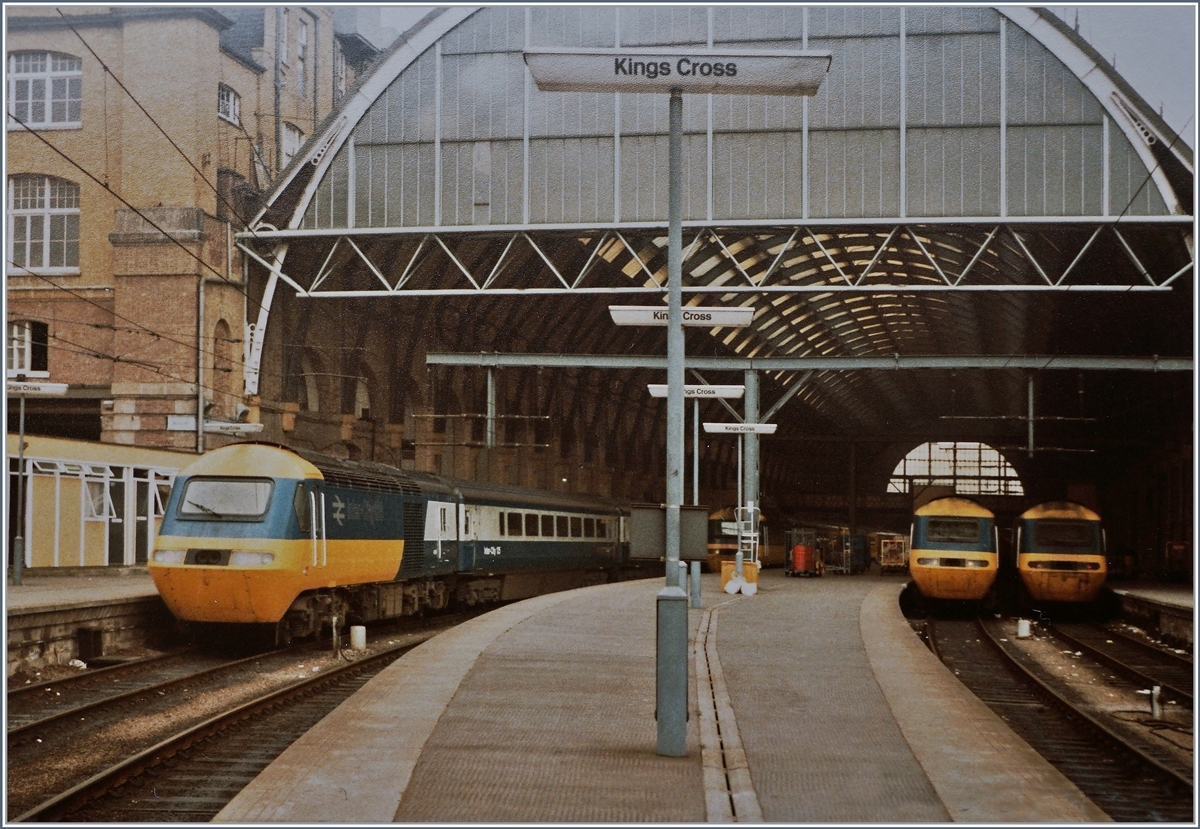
313,53
278,89
200,363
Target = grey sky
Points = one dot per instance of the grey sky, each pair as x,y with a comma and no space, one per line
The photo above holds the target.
1154,44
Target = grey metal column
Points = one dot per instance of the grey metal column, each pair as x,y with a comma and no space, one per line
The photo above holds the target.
672,673
19,541
696,451
750,483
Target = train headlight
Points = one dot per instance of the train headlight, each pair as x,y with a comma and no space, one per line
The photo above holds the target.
170,556
241,558
975,562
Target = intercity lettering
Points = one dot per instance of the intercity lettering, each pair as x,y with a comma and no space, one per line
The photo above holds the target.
684,67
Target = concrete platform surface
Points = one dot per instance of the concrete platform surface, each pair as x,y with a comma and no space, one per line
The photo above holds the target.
812,701
40,590
1175,595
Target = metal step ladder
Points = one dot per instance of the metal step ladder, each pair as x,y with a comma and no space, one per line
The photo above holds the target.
747,533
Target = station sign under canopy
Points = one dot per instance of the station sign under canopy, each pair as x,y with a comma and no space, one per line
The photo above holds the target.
690,390
757,72
694,315
740,428
21,388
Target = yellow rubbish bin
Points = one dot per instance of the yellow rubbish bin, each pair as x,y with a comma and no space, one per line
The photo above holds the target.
749,572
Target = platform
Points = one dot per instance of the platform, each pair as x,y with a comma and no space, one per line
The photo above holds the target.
1163,610
812,701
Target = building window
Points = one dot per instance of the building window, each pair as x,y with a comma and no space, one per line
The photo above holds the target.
302,58
283,34
45,89
339,71
293,138
28,347
966,468
229,104
43,224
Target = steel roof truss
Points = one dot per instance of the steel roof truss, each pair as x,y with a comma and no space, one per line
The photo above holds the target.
1176,275
638,259
978,253
929,258
733,259
546,259
487,283
326,270
875,258
410,268
462,268
1079,255
604,237
382,281
275,269
775,265
1029,256
1133,257
833,261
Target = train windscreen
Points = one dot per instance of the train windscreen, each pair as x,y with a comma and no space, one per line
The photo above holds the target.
953,530
1064,535
226,497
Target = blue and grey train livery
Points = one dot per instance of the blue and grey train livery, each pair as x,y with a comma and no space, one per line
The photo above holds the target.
257,533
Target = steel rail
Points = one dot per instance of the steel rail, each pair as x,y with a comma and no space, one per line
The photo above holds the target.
69,681
22,730
1122,667
96,785
1095,723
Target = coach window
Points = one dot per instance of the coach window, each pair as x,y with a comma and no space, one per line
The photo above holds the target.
589,528
560,523
548,526
531,524
514,523
576,526
500,522
300,505
601,528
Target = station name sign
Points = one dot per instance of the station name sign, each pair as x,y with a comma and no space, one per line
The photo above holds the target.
25,389
737,317
725,392
766,72
740,428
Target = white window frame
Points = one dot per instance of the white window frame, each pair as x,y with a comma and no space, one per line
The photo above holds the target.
49,226
302,58
18,356
339,71
37,90
293,140
229,104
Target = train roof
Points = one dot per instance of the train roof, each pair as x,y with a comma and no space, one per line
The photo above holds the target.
263,459
1062,510
954,506
262,456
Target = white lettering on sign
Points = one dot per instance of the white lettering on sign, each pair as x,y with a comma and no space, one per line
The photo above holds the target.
763,72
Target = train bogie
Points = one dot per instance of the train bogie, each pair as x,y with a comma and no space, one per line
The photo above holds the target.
1060,553
953,550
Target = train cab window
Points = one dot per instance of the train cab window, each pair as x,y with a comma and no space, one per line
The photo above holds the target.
956,530
601,528
548,526
219,498
300,505
589,528
560,526
1064,534
515,523
576,526
531,524
500,522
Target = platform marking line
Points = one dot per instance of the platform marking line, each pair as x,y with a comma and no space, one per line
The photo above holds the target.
729,794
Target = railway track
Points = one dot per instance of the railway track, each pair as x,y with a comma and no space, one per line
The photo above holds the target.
1121,777
1141,662
67,759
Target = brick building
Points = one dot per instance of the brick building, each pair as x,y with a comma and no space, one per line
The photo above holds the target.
140,140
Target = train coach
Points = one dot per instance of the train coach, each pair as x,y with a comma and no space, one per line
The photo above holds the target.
953,550
1060,549
285,540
